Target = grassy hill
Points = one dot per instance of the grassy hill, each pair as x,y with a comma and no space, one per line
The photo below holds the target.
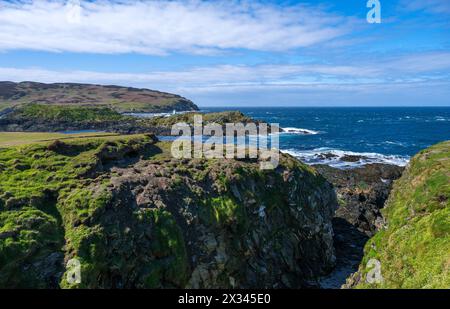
414,248
121,99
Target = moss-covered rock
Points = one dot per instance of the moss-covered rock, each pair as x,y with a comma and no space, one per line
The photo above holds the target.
133,217
414,247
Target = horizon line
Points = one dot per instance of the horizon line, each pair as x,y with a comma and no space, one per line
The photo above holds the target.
321,106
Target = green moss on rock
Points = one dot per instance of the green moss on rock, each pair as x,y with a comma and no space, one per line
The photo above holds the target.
43,207
136,218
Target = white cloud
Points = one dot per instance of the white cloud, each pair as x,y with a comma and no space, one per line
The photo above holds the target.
430,6
421,78
161,27
198,79
418,67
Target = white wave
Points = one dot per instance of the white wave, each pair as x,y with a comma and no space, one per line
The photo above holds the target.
300,131
333,157
440,118
395,143
152,115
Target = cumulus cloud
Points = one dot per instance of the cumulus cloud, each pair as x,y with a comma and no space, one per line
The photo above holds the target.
161,27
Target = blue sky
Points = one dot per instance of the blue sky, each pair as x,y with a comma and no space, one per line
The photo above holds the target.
237,53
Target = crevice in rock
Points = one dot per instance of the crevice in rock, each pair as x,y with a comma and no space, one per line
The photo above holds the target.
362,193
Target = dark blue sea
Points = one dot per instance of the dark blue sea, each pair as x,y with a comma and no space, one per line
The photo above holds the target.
377,134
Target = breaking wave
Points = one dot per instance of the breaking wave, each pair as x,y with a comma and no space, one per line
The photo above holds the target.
345,159
299,131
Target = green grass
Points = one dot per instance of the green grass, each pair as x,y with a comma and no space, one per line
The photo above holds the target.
414,250
220,118
9,139
48,205
69,113
27,170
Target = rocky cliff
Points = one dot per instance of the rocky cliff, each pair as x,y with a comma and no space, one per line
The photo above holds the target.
412,249
121,99
136,218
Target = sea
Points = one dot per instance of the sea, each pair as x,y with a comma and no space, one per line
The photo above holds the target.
326,135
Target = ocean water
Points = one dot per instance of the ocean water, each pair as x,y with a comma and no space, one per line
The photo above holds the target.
377,134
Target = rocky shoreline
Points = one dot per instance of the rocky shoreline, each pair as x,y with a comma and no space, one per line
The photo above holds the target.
136,217
41,118
333,216
361,192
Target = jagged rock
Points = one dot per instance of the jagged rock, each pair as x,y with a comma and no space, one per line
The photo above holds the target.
362,193
352,158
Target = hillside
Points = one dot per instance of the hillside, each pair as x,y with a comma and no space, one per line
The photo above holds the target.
55,118
121,99
413,248
134,217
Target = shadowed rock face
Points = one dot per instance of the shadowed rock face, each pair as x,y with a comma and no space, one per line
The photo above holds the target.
134,218
239,227
362,193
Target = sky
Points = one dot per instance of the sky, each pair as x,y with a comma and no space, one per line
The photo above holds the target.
237,53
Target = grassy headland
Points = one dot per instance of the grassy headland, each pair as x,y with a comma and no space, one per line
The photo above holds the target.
55,118
414,247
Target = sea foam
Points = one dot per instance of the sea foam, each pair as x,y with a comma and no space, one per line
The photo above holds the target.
299,131
334,157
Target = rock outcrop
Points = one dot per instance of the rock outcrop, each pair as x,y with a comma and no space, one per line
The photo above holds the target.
362,193
134,217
